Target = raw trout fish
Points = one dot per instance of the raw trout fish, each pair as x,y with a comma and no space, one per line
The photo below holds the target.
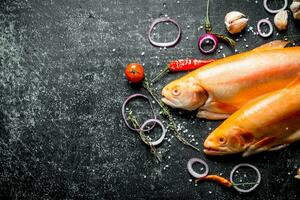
267,123
224,86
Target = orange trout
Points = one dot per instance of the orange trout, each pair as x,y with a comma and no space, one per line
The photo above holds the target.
267,123
223,86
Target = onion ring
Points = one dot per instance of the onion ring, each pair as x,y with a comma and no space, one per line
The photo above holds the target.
164,44
124,115
275,11
270,26
245,165
192,171
157,142
208,36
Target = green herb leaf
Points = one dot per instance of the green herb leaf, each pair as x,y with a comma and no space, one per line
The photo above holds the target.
226,39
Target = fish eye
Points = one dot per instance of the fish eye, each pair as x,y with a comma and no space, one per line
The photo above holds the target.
222,140
175,92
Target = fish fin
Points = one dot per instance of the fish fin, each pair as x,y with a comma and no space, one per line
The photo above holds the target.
262,145
276,44
294,82
211,115
279,147
293,137
220,107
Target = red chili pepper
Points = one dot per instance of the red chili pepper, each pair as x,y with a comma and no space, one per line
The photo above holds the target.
183,65
216,178
187,64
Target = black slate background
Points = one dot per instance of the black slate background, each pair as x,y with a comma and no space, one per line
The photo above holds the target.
61,90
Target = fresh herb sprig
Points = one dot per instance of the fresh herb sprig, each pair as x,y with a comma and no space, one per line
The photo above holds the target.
166,112
208,29
131,118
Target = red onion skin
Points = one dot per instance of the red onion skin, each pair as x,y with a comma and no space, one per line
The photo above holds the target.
270,26
245,165
210,36
164,130
191,170
275,11
164,44
124,114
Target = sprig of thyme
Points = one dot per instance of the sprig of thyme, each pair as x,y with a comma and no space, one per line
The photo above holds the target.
136,125
166,112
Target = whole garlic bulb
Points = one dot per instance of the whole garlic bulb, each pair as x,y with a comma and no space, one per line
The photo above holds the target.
235,22
281,20
295,8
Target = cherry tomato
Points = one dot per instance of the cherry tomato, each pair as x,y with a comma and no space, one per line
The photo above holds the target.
134,72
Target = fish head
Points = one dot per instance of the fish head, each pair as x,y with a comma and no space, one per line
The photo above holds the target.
227,140
184,94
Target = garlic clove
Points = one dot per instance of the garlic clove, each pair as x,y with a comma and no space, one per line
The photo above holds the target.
235,22
234,15
237,26
295,8
281,20
296,15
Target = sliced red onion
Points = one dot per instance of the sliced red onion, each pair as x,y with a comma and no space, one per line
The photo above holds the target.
205,37
164,44
192,171
262,34
275,11
124,114
245,165
164,130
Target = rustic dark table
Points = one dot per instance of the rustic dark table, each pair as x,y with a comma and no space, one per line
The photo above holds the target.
62,86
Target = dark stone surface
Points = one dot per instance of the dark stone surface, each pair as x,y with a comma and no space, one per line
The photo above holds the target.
62,86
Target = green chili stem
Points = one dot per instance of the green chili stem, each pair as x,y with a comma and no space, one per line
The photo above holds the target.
166,112
161,74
